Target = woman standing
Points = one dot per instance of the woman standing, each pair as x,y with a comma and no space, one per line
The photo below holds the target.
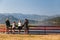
26,26
19,25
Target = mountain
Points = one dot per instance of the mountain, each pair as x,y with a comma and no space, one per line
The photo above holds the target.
33,18
28,16
54,20
3,18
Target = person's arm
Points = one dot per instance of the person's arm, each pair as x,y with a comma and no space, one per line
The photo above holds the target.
23,24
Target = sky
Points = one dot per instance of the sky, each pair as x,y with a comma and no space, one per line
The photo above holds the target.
40,7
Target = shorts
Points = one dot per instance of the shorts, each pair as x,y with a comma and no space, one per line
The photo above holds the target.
14,28
19,27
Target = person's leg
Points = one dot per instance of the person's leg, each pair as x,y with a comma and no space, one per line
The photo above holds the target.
11,29
14,30
19,29
26,31
7,30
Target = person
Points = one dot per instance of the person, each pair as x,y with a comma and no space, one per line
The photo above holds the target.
7,25
13,26
26,26
19,25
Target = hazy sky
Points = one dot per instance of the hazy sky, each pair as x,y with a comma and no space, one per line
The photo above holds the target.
40,7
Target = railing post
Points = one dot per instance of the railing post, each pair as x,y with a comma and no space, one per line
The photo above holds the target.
45,30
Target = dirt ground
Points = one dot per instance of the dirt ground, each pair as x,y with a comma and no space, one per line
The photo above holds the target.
29,37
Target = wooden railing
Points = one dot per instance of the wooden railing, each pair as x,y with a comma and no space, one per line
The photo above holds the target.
45,27
37,28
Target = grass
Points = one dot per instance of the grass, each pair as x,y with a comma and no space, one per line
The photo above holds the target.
28,37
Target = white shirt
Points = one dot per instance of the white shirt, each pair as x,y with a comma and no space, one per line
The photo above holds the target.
13,25
19,24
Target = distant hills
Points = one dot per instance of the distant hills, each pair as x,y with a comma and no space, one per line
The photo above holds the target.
28,16
55,20
18,16
3,18
33,18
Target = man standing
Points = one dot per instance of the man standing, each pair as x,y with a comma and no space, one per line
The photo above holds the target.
7,25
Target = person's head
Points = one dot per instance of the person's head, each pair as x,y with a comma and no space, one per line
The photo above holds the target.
14,22
26,20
